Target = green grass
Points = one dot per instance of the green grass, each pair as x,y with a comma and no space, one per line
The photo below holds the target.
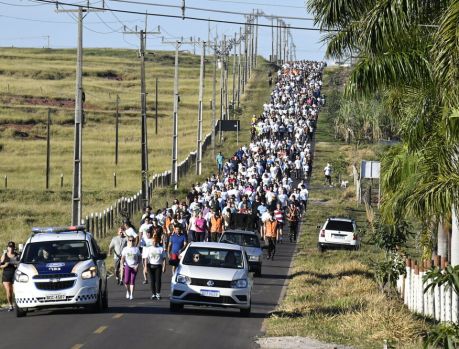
26,203
332,296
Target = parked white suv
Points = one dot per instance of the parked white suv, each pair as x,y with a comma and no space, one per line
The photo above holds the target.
338,232
60,267
212,274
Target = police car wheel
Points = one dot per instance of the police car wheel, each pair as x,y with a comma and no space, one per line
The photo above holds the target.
174,307
20,312
98,306
246,312
105,299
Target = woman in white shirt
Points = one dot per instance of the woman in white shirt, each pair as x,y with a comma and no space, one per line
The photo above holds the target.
130,258
154,259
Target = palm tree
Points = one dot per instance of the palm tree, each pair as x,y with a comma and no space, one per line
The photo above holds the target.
406,49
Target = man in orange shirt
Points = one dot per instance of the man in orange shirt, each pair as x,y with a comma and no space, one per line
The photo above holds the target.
216,226
271,235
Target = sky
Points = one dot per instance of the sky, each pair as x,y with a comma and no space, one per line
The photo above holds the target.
28,23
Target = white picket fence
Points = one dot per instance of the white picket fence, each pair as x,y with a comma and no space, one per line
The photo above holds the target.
439,303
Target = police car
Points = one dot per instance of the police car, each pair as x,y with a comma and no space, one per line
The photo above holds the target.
60,267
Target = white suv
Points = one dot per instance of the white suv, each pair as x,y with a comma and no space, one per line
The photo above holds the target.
212,274
60,267
338,232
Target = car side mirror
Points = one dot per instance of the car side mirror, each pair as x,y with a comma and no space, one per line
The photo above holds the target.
102,255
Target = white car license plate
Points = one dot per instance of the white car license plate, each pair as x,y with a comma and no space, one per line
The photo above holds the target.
55,297
210,293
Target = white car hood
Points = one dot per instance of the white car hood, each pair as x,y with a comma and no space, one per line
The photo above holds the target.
225,274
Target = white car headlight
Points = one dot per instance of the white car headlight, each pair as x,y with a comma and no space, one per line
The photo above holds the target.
254,258
19,276
89,273
183,279
241,283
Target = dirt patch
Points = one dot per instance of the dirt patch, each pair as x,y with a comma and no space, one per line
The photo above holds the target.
110,75
20,131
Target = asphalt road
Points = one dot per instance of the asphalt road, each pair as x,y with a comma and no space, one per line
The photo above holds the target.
143,323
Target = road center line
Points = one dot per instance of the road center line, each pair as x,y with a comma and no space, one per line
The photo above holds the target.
100,329
77,346
117,316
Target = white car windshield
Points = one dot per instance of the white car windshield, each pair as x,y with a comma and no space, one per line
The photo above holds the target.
55,251
213,257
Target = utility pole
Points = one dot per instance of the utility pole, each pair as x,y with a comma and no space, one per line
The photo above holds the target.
256,39
117,115
48,147
244,76
214,97
174,170
143,119
222,85
272,40
277,41
78,127
201,92
239,69
156,105
77,151
233,101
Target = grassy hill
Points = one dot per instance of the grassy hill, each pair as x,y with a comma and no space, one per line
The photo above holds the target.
34,80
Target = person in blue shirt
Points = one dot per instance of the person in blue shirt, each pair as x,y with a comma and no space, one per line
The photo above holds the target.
177,245
220,159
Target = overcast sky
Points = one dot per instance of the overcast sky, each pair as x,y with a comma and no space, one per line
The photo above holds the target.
25,23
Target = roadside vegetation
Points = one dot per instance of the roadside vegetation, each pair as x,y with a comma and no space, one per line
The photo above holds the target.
335,296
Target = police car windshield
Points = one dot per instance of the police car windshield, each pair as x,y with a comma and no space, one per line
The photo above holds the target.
213,257
56,251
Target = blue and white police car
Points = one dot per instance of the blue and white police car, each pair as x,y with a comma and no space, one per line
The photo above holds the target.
60,267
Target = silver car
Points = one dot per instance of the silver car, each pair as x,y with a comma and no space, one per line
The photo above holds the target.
251,243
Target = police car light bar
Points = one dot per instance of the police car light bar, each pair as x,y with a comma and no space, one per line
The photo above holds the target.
57,230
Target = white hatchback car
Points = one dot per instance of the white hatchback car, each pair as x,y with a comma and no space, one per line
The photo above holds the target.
212,274
338,232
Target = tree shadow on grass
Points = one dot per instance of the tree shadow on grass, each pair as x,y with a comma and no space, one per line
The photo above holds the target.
328,276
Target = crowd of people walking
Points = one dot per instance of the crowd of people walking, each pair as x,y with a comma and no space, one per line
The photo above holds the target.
262,185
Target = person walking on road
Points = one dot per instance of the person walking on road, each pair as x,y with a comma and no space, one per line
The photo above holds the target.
130,258
154,259
216,226
116,245
271,235
176,246
293,217
8,263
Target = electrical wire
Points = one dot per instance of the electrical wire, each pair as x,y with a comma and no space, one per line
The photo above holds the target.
257,3
136,2
187,17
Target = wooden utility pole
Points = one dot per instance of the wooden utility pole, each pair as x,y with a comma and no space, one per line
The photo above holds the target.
256,39
48,147
272,40
239,69
201,93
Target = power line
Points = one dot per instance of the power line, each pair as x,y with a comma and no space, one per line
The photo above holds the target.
136,2
257,3
180,17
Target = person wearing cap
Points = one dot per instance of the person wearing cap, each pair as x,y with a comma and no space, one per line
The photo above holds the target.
8,263
130,258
